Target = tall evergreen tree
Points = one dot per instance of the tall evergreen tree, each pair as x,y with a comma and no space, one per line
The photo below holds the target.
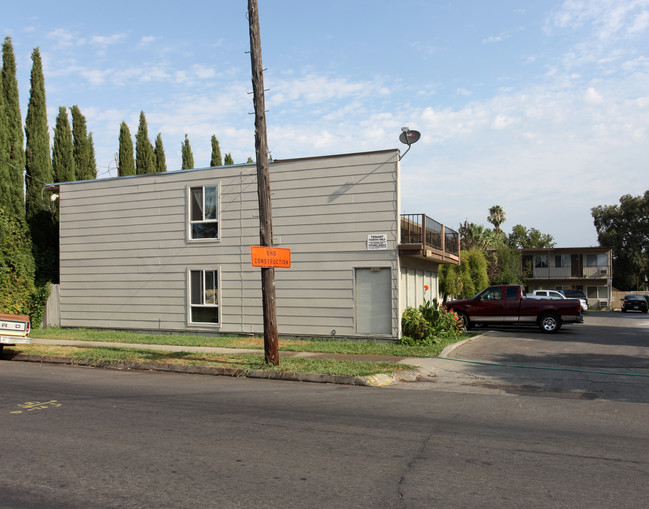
38,169
188,157
228,160
63,151
159,153
216,159
125,163
91,157
5,187
14,155
82,151
144,157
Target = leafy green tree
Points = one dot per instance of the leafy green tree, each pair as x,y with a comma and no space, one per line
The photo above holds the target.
13,155
505,266
144,156
86,168
40,219
216,159
187,156
19,294
159,154
250,160
63,151
476,236
468,278
525,238
625,229
126,162
228,160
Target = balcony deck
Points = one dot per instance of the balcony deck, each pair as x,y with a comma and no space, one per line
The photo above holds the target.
424,237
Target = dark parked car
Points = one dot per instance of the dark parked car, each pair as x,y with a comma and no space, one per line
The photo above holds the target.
634,303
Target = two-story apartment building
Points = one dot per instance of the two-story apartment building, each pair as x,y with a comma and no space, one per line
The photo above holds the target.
579,268
171,251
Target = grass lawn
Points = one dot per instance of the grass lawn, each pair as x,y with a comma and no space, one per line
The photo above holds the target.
251,361
359,347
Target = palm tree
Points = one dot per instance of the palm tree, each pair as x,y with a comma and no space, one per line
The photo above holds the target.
496,217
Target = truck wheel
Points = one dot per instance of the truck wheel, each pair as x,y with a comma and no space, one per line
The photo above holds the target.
550,323
464,318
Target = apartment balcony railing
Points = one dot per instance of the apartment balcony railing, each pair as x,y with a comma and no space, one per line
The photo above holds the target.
425,237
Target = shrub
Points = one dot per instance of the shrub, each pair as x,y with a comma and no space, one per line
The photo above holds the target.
414,326
429,323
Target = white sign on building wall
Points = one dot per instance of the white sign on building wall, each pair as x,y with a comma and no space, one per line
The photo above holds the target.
377,241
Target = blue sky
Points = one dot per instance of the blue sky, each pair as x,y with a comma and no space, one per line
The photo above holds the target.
540,107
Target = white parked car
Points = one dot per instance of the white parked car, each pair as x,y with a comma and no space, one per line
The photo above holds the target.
558,294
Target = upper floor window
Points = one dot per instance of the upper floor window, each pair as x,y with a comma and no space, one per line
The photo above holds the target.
203,212
597,260
541,261
562,260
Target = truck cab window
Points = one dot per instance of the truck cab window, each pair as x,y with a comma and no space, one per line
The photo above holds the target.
512,293
492,294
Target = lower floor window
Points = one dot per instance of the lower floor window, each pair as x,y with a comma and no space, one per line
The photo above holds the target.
597,292
204,296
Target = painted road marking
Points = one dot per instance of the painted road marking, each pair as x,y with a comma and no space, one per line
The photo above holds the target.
379,380
36,405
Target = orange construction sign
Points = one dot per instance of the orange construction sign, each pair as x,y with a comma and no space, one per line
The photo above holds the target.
266,257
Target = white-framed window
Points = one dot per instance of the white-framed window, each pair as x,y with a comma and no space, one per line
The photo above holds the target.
204,212
204,296
597,292
540,261
597,260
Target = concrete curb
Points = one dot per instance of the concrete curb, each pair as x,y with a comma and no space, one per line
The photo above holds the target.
369,381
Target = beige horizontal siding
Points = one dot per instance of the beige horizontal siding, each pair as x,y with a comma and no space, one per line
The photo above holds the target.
125,253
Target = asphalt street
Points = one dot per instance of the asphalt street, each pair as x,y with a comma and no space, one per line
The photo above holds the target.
83,437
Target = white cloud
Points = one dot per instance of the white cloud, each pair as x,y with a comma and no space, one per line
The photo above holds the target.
592,96
495,38
107,40
203,72
64,38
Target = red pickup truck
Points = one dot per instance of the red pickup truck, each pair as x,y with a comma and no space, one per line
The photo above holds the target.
507,304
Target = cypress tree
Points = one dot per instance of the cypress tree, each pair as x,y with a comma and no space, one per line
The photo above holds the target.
38,169
82,158
188,157
216,153
126,163
63,151
159,153
91,158
228,159
5,187
144,157
14,154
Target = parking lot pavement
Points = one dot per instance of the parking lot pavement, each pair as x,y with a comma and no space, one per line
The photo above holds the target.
607,357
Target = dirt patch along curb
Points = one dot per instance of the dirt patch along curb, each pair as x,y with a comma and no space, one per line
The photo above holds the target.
369,381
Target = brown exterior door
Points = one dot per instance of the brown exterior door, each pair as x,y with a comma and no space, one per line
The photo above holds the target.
575,265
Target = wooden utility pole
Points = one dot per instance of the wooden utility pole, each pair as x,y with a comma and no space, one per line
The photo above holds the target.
271,353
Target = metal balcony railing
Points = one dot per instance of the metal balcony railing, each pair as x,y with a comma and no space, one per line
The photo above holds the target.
421,230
